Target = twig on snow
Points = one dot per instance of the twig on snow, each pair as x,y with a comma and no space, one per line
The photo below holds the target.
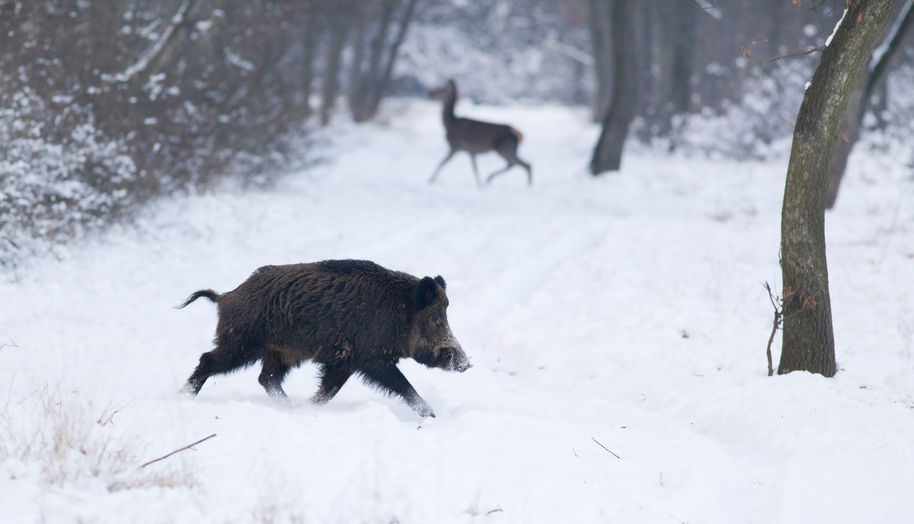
607,449
778,317
178,450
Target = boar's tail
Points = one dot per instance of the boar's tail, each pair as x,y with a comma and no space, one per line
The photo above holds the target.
208,293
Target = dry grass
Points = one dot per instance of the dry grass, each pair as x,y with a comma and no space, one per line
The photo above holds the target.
60,442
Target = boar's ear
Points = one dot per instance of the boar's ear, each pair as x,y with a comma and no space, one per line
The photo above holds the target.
425,293
441,282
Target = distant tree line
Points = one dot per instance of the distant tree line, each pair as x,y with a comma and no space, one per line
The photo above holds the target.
663,60
106,104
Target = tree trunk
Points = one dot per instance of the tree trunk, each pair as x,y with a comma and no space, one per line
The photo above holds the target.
598,25
808,340
337,29
358,50
607,155
361,102
309,44
874,78
683,43
383,82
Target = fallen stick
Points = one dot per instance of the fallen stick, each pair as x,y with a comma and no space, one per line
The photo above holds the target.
181,449
604,447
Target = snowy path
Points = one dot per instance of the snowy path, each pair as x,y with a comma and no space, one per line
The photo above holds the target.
626,310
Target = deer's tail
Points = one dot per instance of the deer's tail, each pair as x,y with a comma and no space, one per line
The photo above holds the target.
518,134
208,293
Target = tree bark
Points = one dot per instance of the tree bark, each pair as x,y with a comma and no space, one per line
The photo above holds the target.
309,44
383,83
808,340
607,155
338,25
683,44
598,25
874,78
358,50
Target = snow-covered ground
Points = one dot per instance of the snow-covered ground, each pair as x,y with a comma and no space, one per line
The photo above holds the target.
617,328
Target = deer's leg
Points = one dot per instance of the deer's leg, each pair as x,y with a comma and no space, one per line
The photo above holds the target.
529,171
438,169
475,169
508,151
496,173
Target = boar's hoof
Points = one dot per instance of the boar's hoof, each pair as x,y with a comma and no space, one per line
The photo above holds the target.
422,408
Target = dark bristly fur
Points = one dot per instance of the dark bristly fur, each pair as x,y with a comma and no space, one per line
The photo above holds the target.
348,316
475,136
208,293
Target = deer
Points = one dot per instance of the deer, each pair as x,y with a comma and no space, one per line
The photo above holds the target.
475,136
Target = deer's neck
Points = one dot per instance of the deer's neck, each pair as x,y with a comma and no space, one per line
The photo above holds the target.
447,112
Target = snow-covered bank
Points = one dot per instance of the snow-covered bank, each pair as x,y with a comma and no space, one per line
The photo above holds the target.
624,312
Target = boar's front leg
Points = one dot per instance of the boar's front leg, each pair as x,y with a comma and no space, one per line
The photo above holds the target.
333,376
386,376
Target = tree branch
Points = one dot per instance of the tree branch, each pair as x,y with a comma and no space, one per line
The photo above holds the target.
604,447
178,450
797,53
157,48
774,328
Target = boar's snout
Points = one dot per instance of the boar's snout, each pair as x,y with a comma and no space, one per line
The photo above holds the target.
463,366
459,360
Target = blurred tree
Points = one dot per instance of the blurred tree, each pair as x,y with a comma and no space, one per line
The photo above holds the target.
808,340
338,17
685,20
607,155
371,80
869,86
601,43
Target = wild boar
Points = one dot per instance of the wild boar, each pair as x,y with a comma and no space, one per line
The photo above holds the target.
348,316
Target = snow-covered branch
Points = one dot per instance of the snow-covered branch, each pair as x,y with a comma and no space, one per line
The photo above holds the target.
707,7
143,63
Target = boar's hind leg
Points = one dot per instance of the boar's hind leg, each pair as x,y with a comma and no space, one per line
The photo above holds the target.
333,376
386,376
216,362
273,373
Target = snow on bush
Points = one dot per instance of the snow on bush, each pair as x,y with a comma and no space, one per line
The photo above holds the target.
748,126
55,188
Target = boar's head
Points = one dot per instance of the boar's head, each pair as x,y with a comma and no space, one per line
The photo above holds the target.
431,340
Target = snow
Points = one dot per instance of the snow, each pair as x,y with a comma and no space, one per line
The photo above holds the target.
624,312
709,8
835,29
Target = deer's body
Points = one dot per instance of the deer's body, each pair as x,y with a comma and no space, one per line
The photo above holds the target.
475,136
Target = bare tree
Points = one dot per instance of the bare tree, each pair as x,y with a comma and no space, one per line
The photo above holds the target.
338,19
371,80
873,79
600,40
808,339
686,17
607,155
